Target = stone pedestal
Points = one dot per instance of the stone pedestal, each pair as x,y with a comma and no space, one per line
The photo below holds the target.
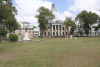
70,37
26,36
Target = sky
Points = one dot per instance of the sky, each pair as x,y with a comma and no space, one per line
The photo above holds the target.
27,9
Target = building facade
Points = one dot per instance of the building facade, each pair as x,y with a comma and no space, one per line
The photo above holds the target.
21,30
55,28
36,32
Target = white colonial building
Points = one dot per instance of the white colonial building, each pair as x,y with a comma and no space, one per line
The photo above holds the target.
55,28
21,30
36,32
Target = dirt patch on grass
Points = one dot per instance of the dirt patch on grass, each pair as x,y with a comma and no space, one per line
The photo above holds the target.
27,50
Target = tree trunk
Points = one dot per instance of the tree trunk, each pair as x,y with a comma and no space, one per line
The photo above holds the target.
90,33
95,34
0,35
87,35
43,34
11,30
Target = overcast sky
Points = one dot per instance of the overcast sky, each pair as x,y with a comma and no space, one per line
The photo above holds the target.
27,9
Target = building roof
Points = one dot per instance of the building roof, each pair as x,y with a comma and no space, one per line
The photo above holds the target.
58,21
26,22
54,9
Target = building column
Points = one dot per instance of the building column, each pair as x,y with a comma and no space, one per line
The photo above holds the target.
55,30
52,30
58,30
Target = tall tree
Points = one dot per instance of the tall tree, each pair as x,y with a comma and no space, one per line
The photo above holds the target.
86,20
7,12
43,17
69,22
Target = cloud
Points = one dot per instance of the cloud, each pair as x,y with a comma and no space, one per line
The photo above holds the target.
89,5
27,9
62,16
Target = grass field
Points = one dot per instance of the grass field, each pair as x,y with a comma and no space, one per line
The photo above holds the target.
52,52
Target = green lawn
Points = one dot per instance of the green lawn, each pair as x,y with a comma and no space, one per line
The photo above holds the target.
52,52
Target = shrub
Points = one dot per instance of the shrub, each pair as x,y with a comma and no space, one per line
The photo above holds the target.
3,32
13,37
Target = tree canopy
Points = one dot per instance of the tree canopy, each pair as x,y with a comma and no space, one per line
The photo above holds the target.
3,32
7,14
43,17
86,20
34,27
69,22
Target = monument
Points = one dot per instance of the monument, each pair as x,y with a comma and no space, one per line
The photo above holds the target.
70,37
26,38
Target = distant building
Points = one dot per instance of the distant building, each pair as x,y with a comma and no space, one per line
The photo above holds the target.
21,30
36,32
76,32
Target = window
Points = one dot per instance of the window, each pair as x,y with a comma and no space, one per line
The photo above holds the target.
63,28
60,28
48,33
53,28
66,33
44,33
66,28
48,28
35,31
29,31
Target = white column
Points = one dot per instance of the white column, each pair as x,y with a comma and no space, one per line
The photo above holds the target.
58,30
52,30
55,30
